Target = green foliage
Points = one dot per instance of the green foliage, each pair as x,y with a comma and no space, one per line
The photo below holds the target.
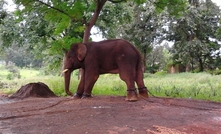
42,28
9,31
161,73
158,59
152,69
192,34
51,26
174,7
14,72
12,76
111,17
140,1
215,71
144,28
63,44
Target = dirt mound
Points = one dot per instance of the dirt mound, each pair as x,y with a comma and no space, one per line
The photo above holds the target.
33,90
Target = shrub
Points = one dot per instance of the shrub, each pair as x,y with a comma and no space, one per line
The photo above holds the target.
147,75
10,76
14,72
161,73
214,72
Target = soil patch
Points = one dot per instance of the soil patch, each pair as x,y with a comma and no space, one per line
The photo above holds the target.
110,115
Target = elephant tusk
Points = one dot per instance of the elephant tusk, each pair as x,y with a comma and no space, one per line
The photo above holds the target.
65,71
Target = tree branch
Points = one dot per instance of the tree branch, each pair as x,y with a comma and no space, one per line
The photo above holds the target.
117,1
90,24
54,8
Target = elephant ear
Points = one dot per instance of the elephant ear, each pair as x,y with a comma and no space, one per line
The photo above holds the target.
82,51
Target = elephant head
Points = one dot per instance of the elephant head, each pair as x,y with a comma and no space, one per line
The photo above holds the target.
73,60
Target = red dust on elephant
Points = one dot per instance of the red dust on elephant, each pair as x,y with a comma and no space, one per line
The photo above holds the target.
109,56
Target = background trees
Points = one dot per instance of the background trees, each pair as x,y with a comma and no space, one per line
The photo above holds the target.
194,35
145,30
41,31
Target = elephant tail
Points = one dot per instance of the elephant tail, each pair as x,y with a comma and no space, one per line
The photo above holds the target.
140,64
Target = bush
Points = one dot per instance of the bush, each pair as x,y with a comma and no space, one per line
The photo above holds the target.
12,76
14,72
161,73
147,75
196,70
152,69
214,72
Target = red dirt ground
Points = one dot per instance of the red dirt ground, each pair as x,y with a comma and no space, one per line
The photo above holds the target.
109,115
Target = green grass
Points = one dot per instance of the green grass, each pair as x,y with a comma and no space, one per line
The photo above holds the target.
3,73
186,85
25,73
29,73
202,86
109,84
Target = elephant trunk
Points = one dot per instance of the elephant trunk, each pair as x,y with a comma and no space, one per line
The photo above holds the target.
67,77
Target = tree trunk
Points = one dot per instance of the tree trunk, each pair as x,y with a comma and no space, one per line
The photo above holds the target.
62,67
201,68
90,24
144,59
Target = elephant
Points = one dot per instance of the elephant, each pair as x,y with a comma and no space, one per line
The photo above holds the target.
108,56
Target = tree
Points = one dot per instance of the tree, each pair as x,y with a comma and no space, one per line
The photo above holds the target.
21,57
69,21
112,17
85,12
3,13
14,45
158,58
52,26
194,35
145,29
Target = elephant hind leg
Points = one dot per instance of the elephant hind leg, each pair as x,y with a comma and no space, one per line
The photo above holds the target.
143,92
141,86
131,95
129,79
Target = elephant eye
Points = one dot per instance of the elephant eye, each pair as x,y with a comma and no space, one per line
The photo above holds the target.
69,55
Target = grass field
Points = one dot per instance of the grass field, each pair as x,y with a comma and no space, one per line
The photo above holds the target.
183,85
186,85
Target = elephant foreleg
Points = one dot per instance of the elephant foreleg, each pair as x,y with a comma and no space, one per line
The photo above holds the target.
90,79
80,89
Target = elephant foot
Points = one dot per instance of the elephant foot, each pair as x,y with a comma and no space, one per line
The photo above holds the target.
143,92
77,96
69,93
131,95
86,96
